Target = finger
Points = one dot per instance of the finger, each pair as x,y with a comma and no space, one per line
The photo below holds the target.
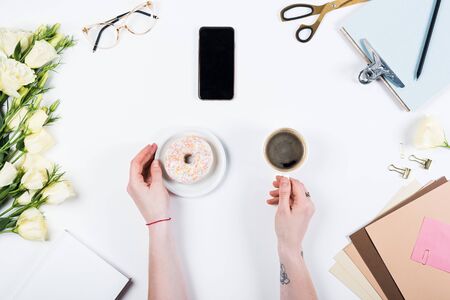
285,193
298,191
156,172
147,166
138,162
273,201
276,183
274,193
276,200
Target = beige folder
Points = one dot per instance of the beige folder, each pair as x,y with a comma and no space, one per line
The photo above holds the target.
353,254
394,237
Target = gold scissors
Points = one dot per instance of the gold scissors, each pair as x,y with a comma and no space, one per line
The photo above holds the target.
305,32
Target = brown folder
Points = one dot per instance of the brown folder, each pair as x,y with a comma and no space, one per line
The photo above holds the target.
353,254
370,255
395,235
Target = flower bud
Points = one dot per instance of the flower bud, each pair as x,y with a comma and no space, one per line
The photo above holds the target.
56,39
43,80
54,29
7,174
58,192
25,198
37,101
34,179
54,106
31,225
37,121
429,134
41,29
41,54
23,91
36,161
38,142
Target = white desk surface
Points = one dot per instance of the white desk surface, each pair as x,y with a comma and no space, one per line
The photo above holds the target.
116,101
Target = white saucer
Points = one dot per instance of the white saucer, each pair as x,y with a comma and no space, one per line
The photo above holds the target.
211,181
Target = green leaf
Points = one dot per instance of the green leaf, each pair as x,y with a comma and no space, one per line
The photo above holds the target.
3,141
17,51
4,223
20,145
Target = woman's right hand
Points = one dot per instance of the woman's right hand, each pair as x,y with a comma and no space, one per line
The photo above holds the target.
146,185
295,210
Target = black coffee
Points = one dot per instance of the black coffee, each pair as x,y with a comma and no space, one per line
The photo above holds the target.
284,150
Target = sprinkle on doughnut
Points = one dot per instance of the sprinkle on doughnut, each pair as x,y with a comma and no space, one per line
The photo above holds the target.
188,159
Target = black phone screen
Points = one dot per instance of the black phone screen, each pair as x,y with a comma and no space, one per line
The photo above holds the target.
216,63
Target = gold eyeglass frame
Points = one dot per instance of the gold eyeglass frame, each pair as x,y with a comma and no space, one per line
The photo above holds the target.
111,22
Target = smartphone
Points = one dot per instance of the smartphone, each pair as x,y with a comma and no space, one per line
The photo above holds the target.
216,63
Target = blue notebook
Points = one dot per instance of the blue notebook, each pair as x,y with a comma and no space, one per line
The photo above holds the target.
397,29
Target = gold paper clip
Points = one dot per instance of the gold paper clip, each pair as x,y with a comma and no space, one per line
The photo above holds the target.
404,172
425,162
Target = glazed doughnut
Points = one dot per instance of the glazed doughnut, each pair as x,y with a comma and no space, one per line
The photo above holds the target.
188,159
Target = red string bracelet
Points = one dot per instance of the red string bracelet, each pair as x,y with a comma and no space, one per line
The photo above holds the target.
158,221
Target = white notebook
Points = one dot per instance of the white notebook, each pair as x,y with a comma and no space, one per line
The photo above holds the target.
72,271
396,29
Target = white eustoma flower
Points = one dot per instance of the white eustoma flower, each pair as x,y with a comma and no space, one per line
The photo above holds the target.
7,174
34,179
58,192
31,225
41,54
429,134
25,198
37,120
38,142
36,161
14,75
17,118
9,38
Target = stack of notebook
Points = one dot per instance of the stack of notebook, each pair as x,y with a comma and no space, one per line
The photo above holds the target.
404,253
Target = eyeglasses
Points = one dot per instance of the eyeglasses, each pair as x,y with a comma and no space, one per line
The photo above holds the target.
105,35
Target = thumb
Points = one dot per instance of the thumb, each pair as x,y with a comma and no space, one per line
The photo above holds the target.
156,172
285,193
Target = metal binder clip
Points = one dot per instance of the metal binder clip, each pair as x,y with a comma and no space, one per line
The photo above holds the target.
377,67
425,162
404,172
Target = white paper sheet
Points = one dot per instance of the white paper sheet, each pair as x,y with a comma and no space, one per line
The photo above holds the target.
72,271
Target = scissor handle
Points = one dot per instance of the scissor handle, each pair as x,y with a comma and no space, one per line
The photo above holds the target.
303,28
313,10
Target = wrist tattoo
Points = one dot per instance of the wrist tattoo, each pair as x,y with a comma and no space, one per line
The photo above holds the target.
284,279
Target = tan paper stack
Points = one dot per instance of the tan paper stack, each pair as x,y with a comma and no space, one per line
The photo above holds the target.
377,263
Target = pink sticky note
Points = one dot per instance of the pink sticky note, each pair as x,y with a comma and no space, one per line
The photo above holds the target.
433,245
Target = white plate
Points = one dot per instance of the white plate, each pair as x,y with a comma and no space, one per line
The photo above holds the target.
211,181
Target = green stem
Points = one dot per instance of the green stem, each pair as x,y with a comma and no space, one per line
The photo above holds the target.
7,211
7,231
37,203
10,143
11,160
